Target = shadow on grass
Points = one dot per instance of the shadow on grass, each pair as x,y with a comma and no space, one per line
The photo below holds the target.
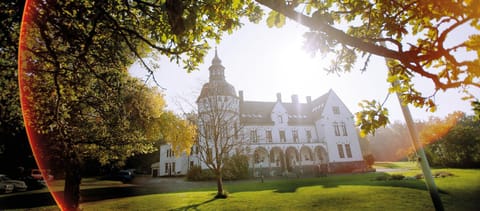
279,185
31,200
282,185
25,201
194,206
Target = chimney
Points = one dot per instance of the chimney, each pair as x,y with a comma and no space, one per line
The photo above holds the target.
279,97
309,99
240,95
295,99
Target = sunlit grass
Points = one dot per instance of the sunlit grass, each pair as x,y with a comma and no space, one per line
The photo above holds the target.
339,192
305,198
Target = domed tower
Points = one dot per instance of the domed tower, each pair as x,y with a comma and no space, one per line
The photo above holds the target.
217,92
218,117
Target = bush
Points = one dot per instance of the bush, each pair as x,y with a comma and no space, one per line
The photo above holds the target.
369,160
396,177
196,173
236,167
193,173
382,177
443,174
385,177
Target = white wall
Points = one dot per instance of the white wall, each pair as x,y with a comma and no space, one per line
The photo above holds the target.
345,116
181,162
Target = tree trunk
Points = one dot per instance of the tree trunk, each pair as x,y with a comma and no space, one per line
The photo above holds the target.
71,191
220,193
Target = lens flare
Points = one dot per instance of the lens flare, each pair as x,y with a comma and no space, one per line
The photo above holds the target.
432,131
26,90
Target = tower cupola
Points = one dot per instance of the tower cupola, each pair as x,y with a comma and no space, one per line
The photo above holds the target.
217,85
217,70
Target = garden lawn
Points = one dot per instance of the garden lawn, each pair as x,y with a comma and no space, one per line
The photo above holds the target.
339,192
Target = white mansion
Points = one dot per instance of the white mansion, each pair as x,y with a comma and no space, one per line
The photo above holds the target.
316,136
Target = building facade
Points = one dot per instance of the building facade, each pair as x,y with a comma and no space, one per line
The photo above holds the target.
312,137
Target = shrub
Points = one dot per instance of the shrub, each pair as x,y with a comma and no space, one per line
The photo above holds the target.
369,160
385,177
196,173
382,177
236,167
443,174
396,177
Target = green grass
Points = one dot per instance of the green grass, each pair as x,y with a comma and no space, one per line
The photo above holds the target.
339,192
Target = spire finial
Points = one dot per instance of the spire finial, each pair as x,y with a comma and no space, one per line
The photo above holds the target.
216,60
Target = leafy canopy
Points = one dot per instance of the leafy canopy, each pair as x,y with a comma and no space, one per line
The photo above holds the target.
11,122
417,37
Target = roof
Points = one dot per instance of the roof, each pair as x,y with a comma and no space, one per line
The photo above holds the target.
318,105
217,88
256,112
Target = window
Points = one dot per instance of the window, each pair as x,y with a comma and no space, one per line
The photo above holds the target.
295,135
340,151
173,167
253,135
280,118
282,136
309,136
336,110
192,164
170,153
337,129
268,136
344,129
166,167
349,151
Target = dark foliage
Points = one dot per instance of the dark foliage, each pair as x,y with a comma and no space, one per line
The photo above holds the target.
236,167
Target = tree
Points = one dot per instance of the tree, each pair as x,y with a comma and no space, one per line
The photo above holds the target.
391,143
453,141
11,121
180,133
95,120
14,148
389,29
70,50
69,35
414,35
218,130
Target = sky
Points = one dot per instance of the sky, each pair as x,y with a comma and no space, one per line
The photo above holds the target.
264,61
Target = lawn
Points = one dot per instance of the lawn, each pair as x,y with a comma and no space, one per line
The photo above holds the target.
339,192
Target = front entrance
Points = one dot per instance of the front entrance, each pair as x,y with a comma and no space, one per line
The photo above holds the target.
292,159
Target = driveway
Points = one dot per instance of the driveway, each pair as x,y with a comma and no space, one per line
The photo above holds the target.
141,185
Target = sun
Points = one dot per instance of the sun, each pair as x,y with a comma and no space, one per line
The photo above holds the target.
299,71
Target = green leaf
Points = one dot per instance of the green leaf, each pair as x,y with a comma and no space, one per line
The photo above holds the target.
275,19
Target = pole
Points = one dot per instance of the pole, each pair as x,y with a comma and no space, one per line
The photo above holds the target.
432,188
